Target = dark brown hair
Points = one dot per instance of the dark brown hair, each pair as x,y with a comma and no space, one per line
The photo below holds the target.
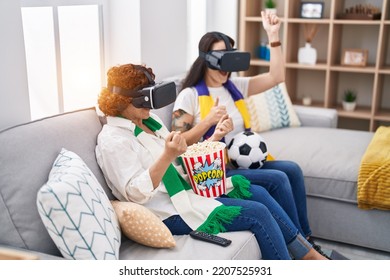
198,68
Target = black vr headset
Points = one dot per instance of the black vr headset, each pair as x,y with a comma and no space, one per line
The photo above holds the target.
151,96
229,60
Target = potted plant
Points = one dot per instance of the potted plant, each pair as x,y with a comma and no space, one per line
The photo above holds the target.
349,100
270,6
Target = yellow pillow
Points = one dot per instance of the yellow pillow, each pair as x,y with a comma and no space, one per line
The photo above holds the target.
142,226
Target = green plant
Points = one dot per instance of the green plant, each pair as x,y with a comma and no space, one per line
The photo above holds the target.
349,95
270,4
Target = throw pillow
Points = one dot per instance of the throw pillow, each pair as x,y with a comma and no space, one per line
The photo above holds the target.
76,211
272,109
142,226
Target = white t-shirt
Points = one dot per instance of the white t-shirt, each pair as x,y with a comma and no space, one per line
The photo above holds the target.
125,164
188,101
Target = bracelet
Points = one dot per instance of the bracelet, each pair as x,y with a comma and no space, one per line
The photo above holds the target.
275,44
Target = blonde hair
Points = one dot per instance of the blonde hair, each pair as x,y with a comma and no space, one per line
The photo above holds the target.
127,76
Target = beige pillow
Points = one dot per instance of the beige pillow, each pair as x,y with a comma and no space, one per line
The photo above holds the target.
272,109
142,226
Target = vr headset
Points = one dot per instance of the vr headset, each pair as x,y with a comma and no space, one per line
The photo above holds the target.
152,96
229,60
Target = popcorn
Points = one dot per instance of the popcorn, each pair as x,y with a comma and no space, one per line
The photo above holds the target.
205,166
203,148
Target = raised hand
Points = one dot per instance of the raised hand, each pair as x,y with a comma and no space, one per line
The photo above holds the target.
271,22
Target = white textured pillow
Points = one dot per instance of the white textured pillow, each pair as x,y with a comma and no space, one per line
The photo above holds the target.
76,211
272,109
139,224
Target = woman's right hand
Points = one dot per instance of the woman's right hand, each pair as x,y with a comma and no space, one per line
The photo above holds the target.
175,145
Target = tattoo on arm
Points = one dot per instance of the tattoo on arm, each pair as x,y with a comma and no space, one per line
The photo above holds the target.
178,124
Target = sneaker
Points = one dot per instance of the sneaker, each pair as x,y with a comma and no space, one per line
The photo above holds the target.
333,254
318,248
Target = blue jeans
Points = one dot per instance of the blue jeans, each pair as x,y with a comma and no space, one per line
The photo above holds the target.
274,231
284,181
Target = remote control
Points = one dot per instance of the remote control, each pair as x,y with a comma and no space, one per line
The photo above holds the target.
200,235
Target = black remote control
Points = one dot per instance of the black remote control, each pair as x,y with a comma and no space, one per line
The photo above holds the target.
200,235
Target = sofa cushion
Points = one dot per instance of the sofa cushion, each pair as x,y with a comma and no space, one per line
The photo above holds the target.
77,213
243,247
29,151
272,109
139,224
330,158
316,116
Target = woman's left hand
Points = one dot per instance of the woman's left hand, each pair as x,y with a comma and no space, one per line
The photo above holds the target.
223,127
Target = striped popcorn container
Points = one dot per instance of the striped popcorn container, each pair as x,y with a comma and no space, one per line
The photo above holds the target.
205,166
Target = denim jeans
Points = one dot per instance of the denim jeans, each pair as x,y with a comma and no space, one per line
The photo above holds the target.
274,231
284,181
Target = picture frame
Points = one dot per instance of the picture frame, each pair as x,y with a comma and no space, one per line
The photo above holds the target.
312,10
354,57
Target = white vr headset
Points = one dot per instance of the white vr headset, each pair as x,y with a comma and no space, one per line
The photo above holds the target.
229,60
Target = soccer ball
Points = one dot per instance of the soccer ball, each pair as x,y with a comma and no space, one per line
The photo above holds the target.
247,150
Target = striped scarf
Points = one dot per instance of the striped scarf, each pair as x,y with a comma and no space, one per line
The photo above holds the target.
206,103
201,213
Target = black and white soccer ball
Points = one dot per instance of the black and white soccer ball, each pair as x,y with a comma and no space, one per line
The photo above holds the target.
247,150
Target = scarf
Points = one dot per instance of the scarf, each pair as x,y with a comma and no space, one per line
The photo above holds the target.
206,103
201,213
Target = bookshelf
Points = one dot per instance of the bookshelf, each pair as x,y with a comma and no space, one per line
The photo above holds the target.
326,81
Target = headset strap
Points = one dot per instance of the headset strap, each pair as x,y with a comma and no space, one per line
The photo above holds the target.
226,40
132,92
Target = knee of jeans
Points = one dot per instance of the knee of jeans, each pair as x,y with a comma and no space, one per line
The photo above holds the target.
292,167
281,180
258,190
259,210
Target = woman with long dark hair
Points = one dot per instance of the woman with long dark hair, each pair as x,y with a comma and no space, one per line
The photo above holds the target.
207,109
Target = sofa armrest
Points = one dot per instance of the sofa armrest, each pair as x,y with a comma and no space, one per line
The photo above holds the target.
316,116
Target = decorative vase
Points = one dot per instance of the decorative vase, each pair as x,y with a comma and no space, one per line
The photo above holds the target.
271,10
307,54
349,106
306,100
262,51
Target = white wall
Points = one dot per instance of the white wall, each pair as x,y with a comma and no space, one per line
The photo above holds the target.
123,30
168,43
164,36
205,16
222,16
150,32
14,99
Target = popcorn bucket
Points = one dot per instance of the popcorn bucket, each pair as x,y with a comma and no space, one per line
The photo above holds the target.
205,166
